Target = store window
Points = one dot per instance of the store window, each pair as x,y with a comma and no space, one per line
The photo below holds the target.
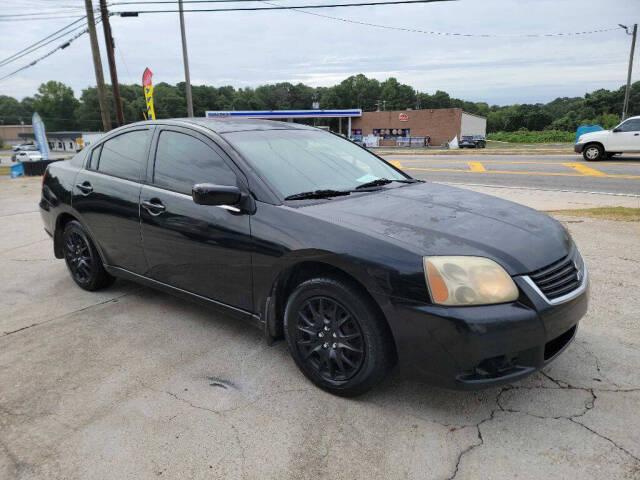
392,132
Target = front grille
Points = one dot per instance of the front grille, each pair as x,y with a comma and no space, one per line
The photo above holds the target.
557,279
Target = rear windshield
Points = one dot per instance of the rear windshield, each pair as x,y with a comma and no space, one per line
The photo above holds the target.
296,161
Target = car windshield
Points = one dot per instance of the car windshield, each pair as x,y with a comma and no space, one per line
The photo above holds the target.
296,161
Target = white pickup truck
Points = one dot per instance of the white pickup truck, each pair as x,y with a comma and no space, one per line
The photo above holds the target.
605,144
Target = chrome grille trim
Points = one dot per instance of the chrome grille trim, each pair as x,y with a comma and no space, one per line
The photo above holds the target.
579,261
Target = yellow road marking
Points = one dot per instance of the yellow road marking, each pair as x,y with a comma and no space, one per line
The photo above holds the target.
514,172
583,169
476,167
396,163
508,162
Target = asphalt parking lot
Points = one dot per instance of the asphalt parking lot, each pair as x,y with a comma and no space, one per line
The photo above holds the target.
132,383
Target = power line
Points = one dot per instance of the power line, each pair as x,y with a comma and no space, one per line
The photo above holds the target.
452,34
29,14
293,7
48,54
29,19
112,4
38,45
45,38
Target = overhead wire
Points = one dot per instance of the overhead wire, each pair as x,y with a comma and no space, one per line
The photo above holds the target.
452,34
292,7
51,52
43,42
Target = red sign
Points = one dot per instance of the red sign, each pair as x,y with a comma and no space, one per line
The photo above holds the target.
146,77
403,117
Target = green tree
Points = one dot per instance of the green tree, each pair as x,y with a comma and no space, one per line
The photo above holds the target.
56,104
12,112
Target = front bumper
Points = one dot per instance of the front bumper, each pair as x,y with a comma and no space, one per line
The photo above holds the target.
467,348
578,147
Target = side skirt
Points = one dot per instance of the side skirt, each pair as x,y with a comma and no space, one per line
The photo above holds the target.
221,307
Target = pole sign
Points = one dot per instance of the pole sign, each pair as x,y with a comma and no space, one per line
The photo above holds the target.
41,136
148,93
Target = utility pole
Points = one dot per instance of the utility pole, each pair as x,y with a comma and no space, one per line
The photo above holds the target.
633,46
97,66
185,57
108,41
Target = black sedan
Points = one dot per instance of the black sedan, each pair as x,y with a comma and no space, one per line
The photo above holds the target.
317,240
472,141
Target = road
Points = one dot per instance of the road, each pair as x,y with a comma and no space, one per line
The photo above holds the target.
621,175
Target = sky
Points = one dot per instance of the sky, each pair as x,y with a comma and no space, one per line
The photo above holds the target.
248,49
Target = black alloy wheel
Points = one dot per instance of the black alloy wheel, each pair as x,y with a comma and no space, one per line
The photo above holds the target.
82,258
329,339
337,336
78,256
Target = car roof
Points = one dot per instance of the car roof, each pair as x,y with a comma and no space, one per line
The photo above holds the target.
228,125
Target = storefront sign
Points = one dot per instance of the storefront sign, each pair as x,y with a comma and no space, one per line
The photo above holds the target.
403,117
148,93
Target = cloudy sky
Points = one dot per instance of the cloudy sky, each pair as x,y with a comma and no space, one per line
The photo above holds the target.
253,48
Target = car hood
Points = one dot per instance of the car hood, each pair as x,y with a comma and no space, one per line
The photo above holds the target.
594,135
434,219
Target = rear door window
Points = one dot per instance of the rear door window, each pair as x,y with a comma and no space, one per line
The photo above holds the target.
125,155
183,161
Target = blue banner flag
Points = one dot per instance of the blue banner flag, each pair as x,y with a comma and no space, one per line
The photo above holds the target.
41,136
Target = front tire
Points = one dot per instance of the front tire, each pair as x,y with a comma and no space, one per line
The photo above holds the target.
593,152
337,337
82,258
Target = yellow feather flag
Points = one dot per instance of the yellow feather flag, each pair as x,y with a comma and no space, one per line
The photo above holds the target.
148,93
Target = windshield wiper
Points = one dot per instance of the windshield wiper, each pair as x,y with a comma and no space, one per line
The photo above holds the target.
317,194
383,181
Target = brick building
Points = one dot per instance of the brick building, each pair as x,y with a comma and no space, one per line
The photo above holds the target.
11,133
440,125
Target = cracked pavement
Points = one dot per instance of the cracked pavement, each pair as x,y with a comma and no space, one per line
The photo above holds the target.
132,383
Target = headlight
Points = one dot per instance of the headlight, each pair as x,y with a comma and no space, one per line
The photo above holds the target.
468,281
580,138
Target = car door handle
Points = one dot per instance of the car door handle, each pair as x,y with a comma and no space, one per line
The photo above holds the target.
636,134
154,208
85,188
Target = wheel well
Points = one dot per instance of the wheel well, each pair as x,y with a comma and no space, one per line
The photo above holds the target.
293,276
61,221
594,143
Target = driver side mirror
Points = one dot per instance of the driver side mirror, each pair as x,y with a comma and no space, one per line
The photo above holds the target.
617,129
209,194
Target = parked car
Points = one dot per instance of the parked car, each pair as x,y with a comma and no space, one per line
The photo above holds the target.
604,144
25,147
314,239
472,141
27,156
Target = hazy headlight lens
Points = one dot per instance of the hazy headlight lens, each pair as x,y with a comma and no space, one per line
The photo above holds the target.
468,281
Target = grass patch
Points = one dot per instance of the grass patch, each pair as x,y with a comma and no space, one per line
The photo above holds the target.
544,136
5,170
620,214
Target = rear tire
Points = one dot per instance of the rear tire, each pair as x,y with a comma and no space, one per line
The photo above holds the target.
82,258
337,338
593,152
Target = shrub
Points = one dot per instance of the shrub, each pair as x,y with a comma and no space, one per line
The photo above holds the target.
523,136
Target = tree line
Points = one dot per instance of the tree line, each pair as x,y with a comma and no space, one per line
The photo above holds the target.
61,110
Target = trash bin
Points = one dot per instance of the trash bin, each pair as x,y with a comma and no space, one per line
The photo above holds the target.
17,170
